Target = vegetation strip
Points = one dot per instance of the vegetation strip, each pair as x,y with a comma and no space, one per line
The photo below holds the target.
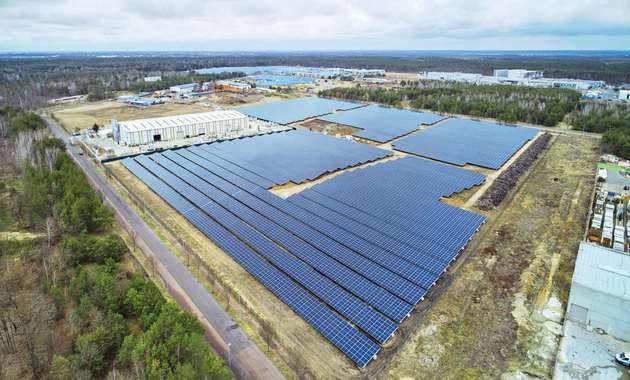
506,180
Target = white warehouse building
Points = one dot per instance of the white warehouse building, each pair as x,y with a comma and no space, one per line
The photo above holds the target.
145,131
600,290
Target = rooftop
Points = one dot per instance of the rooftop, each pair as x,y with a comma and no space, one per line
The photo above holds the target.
603,270
171,121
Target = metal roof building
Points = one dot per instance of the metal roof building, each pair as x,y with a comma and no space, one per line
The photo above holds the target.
600,290
144,131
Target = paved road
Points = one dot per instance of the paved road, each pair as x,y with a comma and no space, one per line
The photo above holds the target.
246,360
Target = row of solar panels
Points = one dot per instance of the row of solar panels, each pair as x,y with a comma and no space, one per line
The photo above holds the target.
382,124
367,271
456,141
294,110
461,142
295,155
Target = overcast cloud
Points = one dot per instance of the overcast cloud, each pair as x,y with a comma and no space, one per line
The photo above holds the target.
313,24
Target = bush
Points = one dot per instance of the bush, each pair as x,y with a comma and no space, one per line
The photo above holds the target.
85,249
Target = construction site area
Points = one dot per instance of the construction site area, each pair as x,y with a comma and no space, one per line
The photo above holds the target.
412,260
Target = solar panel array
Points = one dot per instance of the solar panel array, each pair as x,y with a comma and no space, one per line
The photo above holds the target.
294,110
295,155
463,141
382,124
342,255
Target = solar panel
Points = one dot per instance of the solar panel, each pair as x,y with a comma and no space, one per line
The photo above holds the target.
294,110
355,345
380,123
293,156
361,249
315,248
463,141
233,217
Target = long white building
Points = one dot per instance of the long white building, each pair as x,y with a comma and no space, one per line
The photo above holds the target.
145,131
514,77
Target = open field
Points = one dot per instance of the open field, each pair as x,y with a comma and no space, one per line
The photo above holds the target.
499,315
85,115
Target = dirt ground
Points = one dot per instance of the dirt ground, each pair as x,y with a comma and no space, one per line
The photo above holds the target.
498,317
85,115
294,335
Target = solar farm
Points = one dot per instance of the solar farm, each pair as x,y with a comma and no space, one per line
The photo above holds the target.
366,236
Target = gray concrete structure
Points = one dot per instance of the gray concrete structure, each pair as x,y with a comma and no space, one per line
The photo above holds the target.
600,290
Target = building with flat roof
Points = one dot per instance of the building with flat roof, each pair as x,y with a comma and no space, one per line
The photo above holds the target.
145,131
600,290
517,77
517,74
154,78
182,89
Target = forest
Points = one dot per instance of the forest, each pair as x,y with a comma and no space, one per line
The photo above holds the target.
612,120
541,106
72,302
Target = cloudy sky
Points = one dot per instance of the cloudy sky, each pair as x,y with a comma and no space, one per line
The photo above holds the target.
58,25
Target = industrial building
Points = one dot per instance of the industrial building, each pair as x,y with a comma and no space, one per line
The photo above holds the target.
232,86
600,290
183,89
518,77
517,74
145,131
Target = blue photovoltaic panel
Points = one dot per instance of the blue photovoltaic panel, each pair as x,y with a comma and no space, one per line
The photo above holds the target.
315,248
291,111
354,344
232,216
351,255
295,155
399,199
464,141
380,123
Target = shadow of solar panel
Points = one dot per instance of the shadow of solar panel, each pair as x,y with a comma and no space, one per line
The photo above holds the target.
463,141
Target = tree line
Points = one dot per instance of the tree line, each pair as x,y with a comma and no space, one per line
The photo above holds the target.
70,307
505,103
612,120
28,82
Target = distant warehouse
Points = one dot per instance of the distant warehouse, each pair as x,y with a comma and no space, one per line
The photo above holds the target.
145,131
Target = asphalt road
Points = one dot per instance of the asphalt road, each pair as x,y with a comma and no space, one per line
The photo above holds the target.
226,337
